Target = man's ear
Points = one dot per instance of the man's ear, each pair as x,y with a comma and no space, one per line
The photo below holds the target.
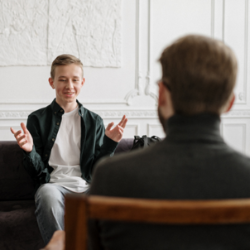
162,96
230,104
51,83
165,102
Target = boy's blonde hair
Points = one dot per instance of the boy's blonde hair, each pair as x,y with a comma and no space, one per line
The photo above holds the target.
65,59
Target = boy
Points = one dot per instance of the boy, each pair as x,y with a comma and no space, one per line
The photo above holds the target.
61,144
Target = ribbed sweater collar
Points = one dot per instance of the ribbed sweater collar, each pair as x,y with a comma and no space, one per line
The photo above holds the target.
203,126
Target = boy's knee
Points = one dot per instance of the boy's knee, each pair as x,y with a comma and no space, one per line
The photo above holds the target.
48,195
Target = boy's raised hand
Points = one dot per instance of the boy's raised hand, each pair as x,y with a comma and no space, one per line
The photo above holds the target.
24,139
116,133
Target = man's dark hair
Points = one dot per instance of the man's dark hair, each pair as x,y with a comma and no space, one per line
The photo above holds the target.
200,73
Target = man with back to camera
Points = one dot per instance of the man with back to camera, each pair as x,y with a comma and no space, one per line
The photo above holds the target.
193,162
61,144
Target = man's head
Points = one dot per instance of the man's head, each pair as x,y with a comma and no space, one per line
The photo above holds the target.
66,78
198,75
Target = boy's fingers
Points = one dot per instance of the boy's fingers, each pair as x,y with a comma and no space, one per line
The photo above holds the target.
21,144
122,120
25,130
17,133
13,131
20,138
110,126
124,123
120,128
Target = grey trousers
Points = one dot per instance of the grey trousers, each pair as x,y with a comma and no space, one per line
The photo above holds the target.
49,200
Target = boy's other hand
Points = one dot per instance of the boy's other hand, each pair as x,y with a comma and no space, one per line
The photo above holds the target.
24,139
116,133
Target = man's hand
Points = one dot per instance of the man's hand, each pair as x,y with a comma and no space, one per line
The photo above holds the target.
116,133
24,139
57,242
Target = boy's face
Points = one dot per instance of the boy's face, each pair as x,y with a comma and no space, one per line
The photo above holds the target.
67,82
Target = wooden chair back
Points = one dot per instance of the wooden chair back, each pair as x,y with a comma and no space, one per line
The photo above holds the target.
80,208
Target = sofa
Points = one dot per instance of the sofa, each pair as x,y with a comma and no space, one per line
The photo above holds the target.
18,226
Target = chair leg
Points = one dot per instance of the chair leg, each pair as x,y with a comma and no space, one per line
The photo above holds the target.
75,223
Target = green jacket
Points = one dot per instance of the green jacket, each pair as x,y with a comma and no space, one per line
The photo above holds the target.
44,125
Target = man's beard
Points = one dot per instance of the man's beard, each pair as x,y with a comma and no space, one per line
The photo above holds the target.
162,120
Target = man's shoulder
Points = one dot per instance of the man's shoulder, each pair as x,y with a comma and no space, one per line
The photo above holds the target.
129,161
165,153
164,165
122,171
237,157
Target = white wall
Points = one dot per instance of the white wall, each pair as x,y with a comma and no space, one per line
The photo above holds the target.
147,27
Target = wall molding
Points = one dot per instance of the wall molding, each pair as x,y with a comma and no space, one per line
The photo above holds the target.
47,102
14,114
116,113
242,95
142,71
135,113
129,113
212,17
151,126
245,51
219,28
136,128
243,126
237,114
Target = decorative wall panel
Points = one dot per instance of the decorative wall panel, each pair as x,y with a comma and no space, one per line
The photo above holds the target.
155,129
89,29
235,135
235,34
171,19
23,32
35,32
131,130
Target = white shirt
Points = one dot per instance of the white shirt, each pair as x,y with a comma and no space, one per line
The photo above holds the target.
65,154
